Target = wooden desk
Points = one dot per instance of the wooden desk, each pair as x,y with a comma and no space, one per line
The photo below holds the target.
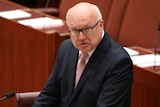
146,87
7,5
27,55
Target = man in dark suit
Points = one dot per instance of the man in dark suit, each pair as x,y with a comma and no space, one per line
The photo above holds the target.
108,75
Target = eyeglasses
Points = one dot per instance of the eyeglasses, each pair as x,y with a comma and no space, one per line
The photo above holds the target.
86,31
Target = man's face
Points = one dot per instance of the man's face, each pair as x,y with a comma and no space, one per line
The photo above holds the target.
85,33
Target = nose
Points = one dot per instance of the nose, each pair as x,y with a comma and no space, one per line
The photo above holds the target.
81,35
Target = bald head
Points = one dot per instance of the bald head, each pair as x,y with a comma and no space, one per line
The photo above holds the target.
83,10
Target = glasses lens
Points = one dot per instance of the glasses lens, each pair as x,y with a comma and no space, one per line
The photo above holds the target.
74,33
87,31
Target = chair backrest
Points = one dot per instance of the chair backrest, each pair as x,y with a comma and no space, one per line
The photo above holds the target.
140,22
136,24
26,99
115,18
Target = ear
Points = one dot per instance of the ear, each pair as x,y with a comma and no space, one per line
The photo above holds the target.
102,23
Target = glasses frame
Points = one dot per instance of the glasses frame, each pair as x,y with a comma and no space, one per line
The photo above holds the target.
76,32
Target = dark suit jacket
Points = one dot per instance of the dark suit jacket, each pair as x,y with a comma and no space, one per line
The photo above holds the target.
106,80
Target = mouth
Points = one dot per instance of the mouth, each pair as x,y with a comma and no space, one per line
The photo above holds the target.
81,44
84,46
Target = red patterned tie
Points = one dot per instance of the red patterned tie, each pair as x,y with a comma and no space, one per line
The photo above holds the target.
80,67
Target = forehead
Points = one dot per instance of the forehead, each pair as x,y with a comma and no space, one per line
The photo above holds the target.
81,15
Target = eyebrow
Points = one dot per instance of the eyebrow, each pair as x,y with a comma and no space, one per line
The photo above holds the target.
85,26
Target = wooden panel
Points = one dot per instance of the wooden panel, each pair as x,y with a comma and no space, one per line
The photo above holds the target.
146,87
24,54
27,56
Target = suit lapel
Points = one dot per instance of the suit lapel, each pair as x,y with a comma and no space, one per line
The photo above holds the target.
72,69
